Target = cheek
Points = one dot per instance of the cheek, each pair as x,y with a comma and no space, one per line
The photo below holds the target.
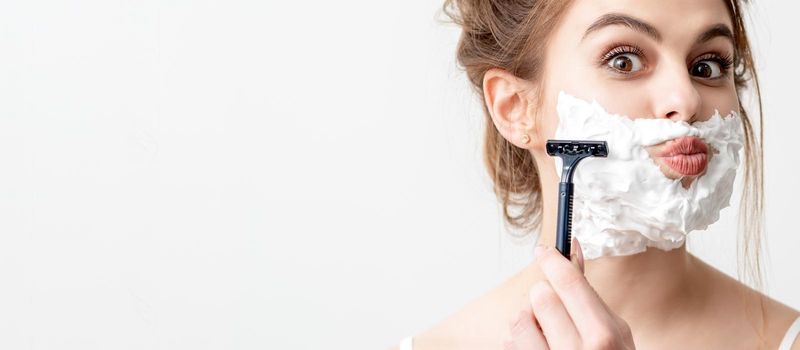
628,102
547,119
724,100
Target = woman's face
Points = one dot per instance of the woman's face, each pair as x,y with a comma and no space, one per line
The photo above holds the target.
641,58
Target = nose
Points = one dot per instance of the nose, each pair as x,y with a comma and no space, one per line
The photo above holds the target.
675,96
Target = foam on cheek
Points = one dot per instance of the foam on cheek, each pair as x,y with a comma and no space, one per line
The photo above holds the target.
624,203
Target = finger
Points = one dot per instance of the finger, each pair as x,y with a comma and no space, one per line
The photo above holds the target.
557,326
584,306
577,255
525,334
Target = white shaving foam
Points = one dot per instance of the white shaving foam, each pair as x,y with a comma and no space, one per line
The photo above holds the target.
624,203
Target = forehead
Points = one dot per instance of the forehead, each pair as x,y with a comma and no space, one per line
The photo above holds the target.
674,19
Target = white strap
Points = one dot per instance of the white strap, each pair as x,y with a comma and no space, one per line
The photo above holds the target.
407,343
791,334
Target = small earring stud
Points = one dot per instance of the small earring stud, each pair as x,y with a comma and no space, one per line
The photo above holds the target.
526,138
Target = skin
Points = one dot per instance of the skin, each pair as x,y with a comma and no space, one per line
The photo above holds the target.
651,300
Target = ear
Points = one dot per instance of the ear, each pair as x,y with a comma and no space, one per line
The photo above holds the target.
507,99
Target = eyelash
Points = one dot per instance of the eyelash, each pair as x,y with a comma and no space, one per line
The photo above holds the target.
619,49
725,61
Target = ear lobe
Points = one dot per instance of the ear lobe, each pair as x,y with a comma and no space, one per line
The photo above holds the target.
504,95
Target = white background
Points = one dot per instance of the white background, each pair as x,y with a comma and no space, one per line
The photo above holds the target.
279,175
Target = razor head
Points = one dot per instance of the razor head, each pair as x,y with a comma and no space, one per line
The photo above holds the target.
572,152
576,148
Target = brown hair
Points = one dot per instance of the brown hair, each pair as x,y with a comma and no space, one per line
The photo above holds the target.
513,35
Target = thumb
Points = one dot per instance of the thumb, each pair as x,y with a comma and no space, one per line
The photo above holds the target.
526,334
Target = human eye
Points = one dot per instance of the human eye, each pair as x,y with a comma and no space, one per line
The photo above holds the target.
711,66
623,59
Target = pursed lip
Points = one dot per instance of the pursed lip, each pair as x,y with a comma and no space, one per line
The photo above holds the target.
684,145
687,155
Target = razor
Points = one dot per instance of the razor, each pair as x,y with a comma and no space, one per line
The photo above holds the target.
571,153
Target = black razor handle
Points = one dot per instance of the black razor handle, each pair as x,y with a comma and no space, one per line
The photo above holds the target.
571,153
564,226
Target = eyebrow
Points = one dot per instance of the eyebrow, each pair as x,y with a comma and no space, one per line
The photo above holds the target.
610,19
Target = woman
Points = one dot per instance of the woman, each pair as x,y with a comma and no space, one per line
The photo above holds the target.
679,60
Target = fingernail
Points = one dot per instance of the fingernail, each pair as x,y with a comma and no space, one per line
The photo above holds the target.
520,324
579,255
513,324
574,260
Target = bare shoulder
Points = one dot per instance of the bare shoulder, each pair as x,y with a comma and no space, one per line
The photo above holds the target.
470,327
796,344
774,316
778,317
483,323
